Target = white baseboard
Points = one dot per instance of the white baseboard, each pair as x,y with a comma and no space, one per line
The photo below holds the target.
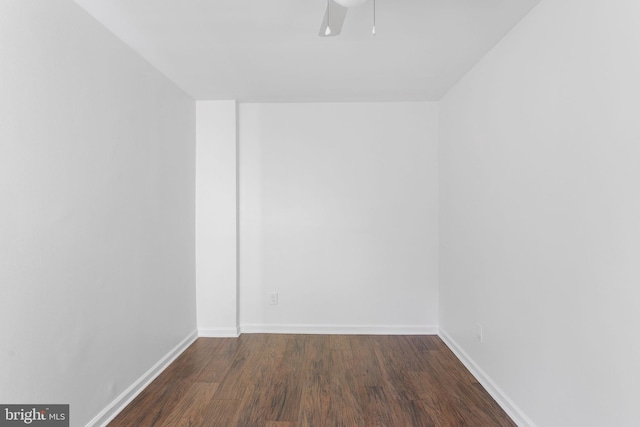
219,332
120,402
338,329
516,414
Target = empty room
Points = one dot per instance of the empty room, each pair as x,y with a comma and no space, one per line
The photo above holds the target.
320,213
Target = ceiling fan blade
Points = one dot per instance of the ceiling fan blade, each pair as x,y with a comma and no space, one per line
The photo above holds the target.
334,16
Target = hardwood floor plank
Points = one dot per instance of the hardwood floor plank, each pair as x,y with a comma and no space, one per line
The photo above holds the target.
340,342
275,346
315,380
345,405
441,409
220,361
284,395
450,364
317,353
294,354
424,343
316,400
255,404
281,424
487,404
407,354
190,410
376,405
418,414
473,397
394,370
424,383
222,413
365,361
243,363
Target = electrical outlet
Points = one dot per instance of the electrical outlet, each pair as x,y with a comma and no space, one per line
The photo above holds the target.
479,332
273,298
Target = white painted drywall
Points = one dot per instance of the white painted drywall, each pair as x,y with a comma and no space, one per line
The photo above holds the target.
339,216
97,217
540,209
216,218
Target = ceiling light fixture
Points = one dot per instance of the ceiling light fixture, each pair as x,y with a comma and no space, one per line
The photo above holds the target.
373,31
350,3
327,32
335,14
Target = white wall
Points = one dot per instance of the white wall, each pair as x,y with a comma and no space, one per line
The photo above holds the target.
97,155
338,214
540,209
216,218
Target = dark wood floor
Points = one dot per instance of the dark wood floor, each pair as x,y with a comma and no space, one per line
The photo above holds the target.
317,381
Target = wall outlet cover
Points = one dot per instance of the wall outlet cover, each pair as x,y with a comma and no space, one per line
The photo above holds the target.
273,298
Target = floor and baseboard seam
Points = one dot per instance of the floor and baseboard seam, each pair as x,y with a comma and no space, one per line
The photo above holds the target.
517,415
120,402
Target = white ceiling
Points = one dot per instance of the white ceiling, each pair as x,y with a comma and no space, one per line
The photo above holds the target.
270,51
